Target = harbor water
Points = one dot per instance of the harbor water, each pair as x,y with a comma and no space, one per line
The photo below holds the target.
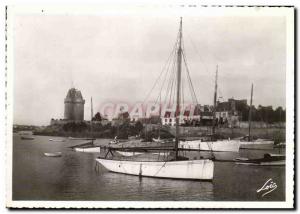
73,176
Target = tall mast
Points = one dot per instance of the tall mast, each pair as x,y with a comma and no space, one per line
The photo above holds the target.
215,103
177,114
250,113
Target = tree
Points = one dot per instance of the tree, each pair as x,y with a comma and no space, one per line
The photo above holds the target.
97,117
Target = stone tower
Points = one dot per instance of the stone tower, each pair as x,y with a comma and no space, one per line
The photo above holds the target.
74,105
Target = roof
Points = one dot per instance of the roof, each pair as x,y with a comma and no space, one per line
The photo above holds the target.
74,95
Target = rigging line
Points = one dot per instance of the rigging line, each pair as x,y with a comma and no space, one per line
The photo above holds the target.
193,94
172,78
194,99
163,82
170,90
163,69
220,94
190,90
170,75
173,90
170,81
189,77
173,56
182,92
198,53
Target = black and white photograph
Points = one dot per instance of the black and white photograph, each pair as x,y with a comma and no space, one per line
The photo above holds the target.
165,106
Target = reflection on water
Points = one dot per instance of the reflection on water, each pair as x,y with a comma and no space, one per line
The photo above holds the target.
74,177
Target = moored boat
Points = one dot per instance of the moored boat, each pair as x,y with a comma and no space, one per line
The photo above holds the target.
248,142
94,149
57,140
79,138
27,138
52,154
188,169
259,144
280,145
214,146
268,160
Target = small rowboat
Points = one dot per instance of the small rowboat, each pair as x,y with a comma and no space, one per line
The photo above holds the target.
268,160
27,138
52,154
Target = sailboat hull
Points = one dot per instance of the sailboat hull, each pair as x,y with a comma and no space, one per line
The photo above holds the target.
215,146
191,169
129,154
260,145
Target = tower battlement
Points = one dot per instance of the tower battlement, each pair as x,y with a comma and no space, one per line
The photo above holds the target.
74,105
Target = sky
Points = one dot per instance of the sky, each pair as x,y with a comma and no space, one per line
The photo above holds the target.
118,58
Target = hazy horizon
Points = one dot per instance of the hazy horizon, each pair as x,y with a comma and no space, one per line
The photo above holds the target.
118,58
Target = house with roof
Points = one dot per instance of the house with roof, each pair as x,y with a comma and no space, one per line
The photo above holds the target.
189,117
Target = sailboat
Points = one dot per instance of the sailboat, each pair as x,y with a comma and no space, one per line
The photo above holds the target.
88,147
248,142
175,166
213,145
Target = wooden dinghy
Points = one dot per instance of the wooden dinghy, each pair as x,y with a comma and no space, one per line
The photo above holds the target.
86,147
268,160
52,154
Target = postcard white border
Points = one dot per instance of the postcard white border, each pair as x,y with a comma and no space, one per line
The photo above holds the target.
154,10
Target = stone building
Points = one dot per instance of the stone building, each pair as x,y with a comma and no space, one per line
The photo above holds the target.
230,112
74,106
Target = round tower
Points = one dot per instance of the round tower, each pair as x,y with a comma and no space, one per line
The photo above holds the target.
74,105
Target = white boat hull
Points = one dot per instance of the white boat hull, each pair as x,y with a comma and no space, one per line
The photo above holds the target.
190,169
263,145
215,146
87,149
128,154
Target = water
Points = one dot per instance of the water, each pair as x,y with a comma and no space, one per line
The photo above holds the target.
73,177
